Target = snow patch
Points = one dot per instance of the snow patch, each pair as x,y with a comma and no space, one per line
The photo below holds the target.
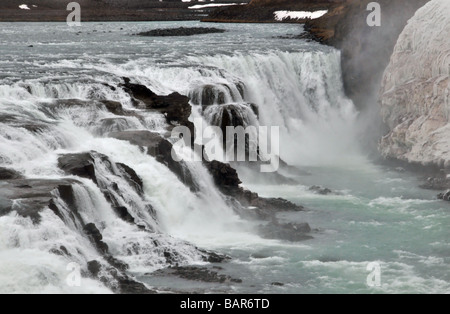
24,7
298,15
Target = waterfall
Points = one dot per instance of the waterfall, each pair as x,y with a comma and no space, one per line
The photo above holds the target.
301,92
42,120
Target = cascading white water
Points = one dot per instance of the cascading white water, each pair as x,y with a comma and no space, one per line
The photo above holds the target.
301,92
43,118
34,153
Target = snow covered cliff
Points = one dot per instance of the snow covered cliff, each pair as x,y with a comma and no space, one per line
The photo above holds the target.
415,93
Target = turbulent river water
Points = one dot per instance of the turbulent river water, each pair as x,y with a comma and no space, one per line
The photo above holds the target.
374,214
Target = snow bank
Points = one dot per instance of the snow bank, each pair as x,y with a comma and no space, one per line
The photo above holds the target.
298,15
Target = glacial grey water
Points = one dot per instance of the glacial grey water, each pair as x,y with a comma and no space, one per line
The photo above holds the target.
374,215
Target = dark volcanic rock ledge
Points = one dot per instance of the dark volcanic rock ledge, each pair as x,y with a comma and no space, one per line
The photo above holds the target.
261,11
181,31
34,195
366,51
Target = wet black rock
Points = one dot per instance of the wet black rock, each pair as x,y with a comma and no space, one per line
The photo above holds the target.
124,214
277,284
438,182
121,282
131,286
181,31
30,124
280,204
66,193
289,232
216,94
223,174
445,196
196,273
94,267
175,107
138,91
113,125
81,165
161,149
122,266
84,165
111,106
96,238
131,176
227,180
215,258
34,195
9,174
320,190
151,141
61,251
208,96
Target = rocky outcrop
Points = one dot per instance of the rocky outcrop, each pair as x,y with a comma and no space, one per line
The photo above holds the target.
262,11
81,165
197,273
288,232
160,148
320,190
227,180
84,165
9,174
217,94
122,283
30,124
28,197
415,94
365,50
112,106
223,174
445,196
175,107
181,31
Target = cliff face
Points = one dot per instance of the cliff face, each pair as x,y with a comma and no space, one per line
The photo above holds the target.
415,94
104,10
262,11
365,50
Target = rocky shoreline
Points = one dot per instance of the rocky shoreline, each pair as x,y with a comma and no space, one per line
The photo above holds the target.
262,11
181,31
